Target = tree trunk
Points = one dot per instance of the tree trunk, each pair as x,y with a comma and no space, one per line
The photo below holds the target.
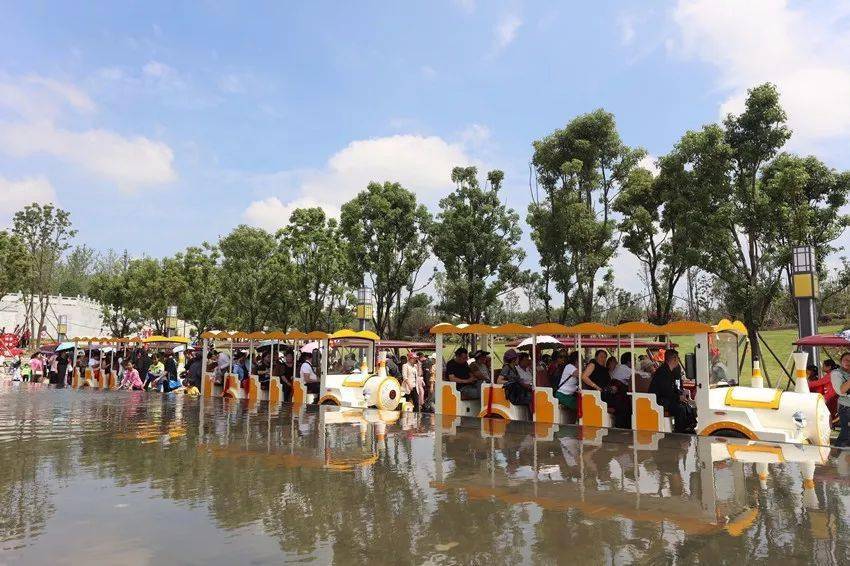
755,346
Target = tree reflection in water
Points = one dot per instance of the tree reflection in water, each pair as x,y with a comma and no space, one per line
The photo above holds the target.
382,488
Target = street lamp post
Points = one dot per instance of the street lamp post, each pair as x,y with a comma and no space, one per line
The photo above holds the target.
364,306
62,327
171,321
805,288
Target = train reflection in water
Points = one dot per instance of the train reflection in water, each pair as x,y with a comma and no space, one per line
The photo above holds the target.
346,485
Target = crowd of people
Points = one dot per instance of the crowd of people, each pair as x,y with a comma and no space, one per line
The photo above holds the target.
136,369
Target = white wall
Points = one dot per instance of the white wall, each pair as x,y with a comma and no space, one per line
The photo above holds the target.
84,315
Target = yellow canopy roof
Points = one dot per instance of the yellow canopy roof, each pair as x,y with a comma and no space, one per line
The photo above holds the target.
104,339
727,325
346,333
157,339
291,335
678,328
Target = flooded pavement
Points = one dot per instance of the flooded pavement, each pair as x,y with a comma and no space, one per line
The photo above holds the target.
136,478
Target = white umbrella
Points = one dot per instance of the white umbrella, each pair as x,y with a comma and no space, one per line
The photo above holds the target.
541,341
309,347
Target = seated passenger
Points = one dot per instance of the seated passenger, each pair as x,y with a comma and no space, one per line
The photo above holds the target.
566,388
554,369
596,376
666,384
349,363
517,390
457,371
479,368
623,372
524,369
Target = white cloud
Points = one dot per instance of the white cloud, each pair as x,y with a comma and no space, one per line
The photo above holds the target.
129,162
505,31
806,54
16,194
272,214
422,164
475,136
34,105
648,162
35,97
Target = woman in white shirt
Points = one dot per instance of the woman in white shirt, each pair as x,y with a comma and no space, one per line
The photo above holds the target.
566,390
412,384
308,375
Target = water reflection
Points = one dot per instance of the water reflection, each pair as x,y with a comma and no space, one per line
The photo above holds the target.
140,478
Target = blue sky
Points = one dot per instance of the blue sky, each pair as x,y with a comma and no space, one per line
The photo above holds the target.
162,124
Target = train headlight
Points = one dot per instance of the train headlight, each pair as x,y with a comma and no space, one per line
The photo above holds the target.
800,420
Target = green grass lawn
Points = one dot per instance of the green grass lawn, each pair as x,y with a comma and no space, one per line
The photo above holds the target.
780,342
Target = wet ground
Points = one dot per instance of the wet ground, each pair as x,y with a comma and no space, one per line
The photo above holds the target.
135,478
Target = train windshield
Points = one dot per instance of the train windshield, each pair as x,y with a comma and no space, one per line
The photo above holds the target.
724,359
348,355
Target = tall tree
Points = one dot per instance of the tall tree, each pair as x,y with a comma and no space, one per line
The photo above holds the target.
110,286
201,302
313,244
45,232
747,207
13,263
253,275
811,196
580,170
75,270
156,284
387,233
651,230
476,238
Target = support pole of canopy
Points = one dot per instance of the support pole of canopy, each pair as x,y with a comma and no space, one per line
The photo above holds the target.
204,355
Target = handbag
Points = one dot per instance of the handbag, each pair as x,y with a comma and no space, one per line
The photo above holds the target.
517,394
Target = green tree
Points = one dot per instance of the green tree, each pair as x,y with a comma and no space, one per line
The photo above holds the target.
476,238
387,233
201,302
13,263
110,286
254,277
313,244
155,284
579,169
746,207
74,271
809,197
45,232
651,231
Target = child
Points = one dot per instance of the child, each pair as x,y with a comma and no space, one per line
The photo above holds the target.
190,389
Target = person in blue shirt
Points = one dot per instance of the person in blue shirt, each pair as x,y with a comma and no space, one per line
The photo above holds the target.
238,368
